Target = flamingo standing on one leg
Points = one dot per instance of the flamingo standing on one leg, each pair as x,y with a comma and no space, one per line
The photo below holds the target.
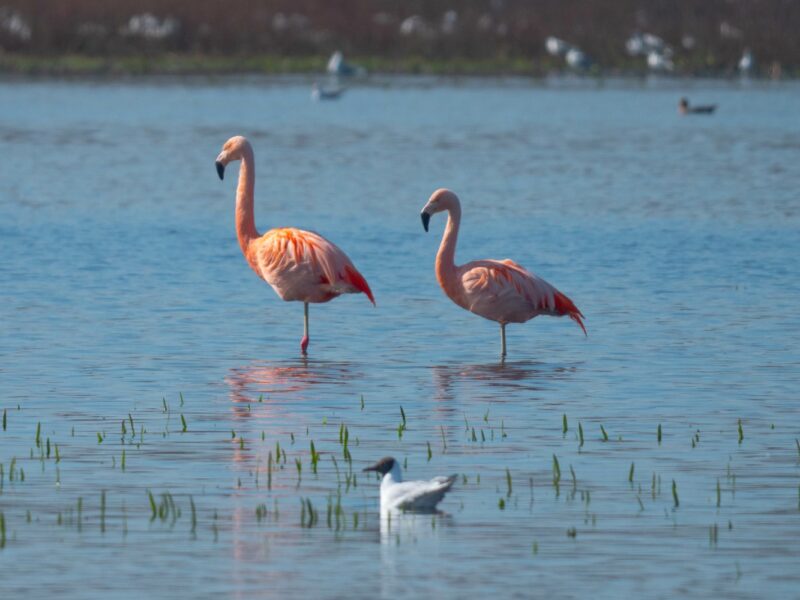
299,265
498,290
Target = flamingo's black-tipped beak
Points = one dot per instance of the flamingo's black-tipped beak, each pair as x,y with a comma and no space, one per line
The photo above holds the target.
220,170
426,218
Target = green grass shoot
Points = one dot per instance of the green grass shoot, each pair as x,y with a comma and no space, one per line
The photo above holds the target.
430,453
508,482
5,419
675,494
603,431
501,504
38,434
556,471
153,508
580,435
564,426
103,511
658,434
362,401
403,414
741,431
183,422
630,474
719,493
314,457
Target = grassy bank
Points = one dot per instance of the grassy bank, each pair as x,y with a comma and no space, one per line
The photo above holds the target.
269,64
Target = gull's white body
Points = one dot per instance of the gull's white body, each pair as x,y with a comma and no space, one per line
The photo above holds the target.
397,494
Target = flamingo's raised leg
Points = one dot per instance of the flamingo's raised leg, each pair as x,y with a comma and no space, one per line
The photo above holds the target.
502,340
304,341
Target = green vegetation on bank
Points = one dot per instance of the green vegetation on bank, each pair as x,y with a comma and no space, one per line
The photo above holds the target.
197,64
267,64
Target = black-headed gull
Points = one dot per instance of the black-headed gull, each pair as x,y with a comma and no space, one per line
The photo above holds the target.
397,494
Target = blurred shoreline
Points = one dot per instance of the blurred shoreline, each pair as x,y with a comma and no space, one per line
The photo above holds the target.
181,64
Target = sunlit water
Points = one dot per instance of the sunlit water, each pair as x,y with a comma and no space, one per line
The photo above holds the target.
122,286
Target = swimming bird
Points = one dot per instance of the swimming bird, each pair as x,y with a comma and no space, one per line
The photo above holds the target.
685,109
299,265
319,92
338,66
498,290
397,494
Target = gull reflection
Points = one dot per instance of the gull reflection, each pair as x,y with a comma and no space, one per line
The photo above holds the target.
399,529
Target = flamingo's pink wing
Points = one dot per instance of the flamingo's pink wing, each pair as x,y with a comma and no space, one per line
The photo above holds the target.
308,264
505,291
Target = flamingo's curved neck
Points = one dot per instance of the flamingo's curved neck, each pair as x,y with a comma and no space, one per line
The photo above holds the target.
446,257
245,215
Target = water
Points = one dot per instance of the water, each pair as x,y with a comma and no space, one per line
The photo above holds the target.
122,284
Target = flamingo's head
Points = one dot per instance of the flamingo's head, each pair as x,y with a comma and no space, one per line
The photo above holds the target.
441,200
232,150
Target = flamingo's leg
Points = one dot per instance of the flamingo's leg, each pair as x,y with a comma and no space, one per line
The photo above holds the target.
304,341
502,340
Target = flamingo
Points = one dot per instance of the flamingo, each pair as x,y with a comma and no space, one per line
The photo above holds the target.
498,290
299,265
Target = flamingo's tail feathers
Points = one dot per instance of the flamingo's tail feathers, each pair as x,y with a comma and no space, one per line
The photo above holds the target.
356,279
565,306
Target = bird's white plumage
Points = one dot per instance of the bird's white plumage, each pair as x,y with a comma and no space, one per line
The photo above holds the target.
397,494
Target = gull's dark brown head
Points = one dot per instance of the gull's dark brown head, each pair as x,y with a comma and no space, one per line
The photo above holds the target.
383,466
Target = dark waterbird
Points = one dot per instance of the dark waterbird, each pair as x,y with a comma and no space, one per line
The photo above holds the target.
704,109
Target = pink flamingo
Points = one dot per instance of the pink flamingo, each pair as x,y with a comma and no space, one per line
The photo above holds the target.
498,290
299,265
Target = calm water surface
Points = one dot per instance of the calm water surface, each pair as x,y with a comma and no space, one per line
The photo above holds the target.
122,286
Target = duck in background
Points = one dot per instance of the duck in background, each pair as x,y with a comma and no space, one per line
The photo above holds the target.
685,109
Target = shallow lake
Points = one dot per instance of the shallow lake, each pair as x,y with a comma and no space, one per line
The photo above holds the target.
139,355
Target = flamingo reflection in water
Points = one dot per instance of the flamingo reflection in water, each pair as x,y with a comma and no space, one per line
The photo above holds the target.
265,393
491,378
262,398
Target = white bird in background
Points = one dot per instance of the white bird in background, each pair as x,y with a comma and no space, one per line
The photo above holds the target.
747,63
396,494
